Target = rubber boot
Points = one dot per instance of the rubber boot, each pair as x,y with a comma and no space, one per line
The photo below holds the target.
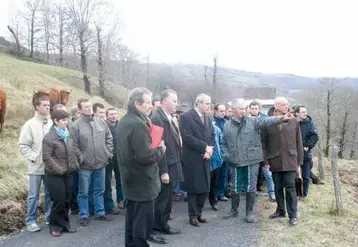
250,201
235,201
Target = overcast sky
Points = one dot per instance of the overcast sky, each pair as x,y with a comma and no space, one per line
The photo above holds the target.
305,37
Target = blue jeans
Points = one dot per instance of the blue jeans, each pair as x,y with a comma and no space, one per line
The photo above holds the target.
222,183
108,200
306,171
97,179
33,199
269,181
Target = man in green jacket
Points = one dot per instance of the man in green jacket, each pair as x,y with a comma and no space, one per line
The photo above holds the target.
242,148
138,164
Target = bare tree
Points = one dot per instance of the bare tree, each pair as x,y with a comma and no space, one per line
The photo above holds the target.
330,86
15,36
354,142
81,12
206,73
31,16
47,23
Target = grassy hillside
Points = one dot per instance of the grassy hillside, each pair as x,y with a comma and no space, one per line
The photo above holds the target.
319,224
19,78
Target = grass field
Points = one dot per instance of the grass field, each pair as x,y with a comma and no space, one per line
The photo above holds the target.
319,224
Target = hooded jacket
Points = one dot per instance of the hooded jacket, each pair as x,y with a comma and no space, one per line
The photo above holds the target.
309,136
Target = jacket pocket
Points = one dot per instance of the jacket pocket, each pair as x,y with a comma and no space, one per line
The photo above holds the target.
293,152
254,153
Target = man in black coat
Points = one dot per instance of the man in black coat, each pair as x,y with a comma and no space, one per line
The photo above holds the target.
170,166
138,163
309,140
198,135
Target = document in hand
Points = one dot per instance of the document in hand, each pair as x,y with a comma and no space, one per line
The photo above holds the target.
156,133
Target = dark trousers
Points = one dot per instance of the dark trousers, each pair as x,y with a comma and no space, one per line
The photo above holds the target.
196,203
139,223
163,207
260,178
214,186
286,181
107,196
60,189
74,203
306,169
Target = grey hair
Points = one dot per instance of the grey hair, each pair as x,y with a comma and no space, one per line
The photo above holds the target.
201,97
136,95
235,103
280,100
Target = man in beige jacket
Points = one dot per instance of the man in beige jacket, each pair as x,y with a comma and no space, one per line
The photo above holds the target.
30,144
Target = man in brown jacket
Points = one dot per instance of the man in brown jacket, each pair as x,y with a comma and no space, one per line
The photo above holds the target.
283,152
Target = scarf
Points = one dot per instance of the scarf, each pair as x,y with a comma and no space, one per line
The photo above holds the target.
62,133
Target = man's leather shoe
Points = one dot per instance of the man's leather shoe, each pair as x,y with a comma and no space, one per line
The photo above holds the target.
155,238
277,215
215,207
171,231
293,222
202,219
194,222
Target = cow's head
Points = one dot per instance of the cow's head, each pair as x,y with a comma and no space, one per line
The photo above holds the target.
65,96
39,94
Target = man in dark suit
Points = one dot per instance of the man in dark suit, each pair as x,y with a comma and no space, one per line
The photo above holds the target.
170,166
198,135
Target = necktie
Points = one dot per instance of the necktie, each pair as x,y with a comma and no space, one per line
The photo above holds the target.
202,119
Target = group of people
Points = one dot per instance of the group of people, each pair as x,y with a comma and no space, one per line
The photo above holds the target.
207,152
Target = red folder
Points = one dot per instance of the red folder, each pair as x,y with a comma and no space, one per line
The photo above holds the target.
156,133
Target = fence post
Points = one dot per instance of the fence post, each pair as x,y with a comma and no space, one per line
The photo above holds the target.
320,162
336,181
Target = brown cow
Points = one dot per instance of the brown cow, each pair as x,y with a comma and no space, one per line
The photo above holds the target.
2,109
56,95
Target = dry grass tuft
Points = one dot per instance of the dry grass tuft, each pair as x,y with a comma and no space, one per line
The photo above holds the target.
319,224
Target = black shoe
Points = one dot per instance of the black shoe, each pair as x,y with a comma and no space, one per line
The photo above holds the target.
155,238
104,218
293,222
70,230
171,231
113,211
215,207
84,221
277,215
202,219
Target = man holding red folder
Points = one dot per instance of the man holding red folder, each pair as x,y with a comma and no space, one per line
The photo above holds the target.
138,163
170,166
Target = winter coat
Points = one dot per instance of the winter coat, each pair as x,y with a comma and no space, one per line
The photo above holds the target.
309,136
138,162
93,142
30,142
217,158
282,146
196,137
59,156
241,141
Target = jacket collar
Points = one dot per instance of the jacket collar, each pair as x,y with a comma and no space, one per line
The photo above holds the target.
42,118
133,111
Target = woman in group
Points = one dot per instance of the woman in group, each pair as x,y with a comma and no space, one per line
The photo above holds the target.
60,161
